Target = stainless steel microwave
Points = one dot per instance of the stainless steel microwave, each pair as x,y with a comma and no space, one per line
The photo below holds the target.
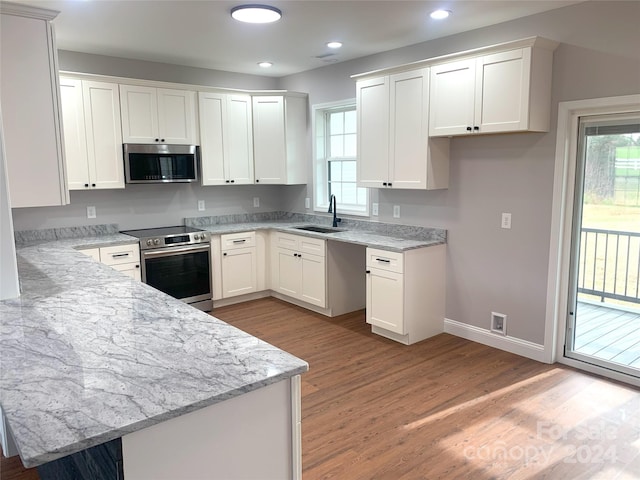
160,163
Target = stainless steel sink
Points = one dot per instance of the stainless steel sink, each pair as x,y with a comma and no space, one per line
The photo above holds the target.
319,229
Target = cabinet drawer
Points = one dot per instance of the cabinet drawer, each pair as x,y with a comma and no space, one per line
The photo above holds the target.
285,240
300,243
232,241
314,246
120,254
385,260
91,252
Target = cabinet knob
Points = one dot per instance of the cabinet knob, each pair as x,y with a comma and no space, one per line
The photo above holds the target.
157,139
384,184
367,271
162,139
224,254
476,128
257,180
389,184
137,266
226,181
86,185
93,184
468,129
233,181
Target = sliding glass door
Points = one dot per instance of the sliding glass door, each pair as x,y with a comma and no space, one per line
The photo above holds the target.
603,323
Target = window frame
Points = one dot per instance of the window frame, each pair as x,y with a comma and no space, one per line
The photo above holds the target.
321,163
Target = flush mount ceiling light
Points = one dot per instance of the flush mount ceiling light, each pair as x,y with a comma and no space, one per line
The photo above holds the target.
265,64
256,13
440,14
334,44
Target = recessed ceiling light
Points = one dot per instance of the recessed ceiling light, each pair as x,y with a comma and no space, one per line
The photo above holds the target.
334,44
256,13
440,14
265,64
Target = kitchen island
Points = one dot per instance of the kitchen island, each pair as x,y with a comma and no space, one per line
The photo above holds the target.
90,356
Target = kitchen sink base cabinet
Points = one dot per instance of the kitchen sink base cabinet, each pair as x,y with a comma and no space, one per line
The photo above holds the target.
406,293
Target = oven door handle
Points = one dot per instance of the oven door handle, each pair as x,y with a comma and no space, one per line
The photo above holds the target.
165,252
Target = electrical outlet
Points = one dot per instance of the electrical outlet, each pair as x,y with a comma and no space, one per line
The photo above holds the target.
396,211
506,220
91,212
307,202
256,202
499,323
201,205
374,208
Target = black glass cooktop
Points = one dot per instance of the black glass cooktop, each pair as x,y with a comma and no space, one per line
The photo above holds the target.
161,231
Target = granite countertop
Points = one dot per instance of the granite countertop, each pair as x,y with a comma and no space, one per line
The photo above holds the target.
89,355
397,238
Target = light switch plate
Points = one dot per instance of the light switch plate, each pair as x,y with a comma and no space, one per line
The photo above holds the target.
396,211
506,220
91,212
374,209
256,202
201,205
307,202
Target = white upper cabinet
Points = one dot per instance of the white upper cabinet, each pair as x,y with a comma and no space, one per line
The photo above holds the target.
506,91
279,134
158,115
29,100
394,149
92,133
226,138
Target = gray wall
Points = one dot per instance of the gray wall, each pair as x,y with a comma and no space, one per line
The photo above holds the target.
491,269
488,268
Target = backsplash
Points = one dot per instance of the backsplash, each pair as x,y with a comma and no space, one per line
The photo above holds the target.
24,237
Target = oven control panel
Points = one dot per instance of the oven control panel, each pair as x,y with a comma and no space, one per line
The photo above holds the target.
174,240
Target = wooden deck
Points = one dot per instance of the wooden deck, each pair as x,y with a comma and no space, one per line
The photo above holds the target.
608,333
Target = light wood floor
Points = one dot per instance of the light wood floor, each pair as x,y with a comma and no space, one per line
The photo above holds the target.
444,408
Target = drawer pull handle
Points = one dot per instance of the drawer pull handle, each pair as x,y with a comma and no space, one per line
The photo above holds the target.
240,241
384,260
119,255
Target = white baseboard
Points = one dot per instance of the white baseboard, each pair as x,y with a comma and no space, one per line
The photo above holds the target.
523,348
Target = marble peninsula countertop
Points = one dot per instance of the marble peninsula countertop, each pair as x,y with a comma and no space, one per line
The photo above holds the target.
89,355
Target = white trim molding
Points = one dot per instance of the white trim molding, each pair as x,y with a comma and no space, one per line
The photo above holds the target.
569,114
531,350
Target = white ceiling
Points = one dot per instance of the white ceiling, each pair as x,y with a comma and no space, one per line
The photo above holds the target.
203,34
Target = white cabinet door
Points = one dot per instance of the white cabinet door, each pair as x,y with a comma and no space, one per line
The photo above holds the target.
239,272
139,107
104,134
29,100
372,105
452,94
409,129
502,91
313,288
287,274
130,269
239,140
269,139
75,139
212,118
385,300
177,117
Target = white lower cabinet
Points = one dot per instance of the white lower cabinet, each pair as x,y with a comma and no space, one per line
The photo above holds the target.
238,264
124,258
406,293
298,268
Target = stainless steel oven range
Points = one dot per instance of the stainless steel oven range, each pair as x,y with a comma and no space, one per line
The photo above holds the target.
177,261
